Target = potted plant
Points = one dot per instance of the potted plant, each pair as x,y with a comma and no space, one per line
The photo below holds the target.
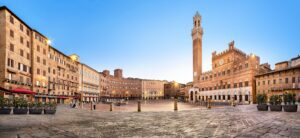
289,101
262,102
50,108
5,106
20,106
275,103
36,108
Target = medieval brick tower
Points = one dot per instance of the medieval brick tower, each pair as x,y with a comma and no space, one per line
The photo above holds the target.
197,33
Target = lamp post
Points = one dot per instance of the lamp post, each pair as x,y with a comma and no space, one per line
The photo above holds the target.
209,103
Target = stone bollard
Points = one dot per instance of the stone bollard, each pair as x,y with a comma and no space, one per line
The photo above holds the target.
175,105
209,104
111,107
139,106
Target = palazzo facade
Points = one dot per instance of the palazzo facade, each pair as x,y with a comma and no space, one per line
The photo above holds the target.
232,76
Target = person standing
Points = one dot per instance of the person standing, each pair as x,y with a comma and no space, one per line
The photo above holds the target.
94,105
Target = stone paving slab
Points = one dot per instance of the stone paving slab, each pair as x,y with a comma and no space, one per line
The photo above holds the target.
240,121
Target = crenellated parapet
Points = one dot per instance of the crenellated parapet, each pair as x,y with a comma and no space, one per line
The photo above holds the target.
206,74
231,48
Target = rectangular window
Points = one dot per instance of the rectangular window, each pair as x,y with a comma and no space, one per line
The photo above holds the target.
11,19
21,52
44,61
24,68
28,44
38,48
21,27
27,32
246,83
12,47
240,84
228,71
228,85
20,66
263,82
286,80
274,81
11,33
235,85
21,40
246,65
44,51
38,71
38,59
28,56
293,80
44,73
10,62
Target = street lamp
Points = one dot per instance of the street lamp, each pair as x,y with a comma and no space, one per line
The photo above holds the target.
48,41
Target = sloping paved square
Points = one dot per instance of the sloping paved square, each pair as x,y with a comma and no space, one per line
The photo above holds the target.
240,121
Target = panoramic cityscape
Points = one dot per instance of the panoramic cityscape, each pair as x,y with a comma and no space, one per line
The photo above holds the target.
136,72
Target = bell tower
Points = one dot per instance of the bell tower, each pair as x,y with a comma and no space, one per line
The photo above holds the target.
197,33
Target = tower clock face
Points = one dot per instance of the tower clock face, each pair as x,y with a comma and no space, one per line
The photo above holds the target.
221,62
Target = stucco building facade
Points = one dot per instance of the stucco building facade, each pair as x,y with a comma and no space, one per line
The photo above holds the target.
152,89
30,67
89,83
117,87
284,78
15,53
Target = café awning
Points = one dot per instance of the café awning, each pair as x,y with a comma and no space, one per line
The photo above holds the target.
22,91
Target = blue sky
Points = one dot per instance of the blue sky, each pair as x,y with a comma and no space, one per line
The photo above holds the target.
152,38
